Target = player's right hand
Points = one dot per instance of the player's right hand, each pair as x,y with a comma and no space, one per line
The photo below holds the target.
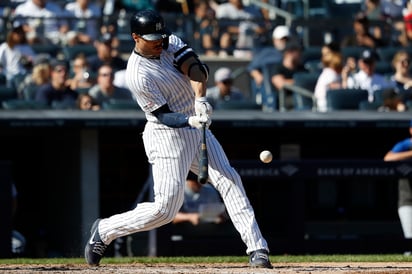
197,121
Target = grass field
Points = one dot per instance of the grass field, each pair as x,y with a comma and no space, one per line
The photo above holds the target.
313,264
373,258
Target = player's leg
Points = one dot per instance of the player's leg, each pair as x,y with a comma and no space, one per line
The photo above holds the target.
229,184
405,206
169,154
405,217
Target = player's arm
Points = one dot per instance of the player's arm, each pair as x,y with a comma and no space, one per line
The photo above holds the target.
398,156
187,62
198,73
181,217
178,120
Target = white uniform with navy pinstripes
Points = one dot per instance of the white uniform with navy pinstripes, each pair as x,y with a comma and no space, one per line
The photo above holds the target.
173,151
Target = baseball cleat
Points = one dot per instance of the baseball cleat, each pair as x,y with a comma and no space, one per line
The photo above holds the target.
260,258
94,250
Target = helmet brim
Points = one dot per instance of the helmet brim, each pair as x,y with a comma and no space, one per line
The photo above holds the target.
156,36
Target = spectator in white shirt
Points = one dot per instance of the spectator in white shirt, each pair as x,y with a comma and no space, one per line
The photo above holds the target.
16,56
84,18
329,78
46,21
366,77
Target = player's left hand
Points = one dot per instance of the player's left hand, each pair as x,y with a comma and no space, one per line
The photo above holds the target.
203,107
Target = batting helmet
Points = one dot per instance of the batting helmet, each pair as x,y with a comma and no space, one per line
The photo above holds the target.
149,25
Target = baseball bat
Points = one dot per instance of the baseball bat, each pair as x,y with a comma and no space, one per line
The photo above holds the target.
204,161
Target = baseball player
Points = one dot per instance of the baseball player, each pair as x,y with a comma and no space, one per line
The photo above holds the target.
402,151
169,83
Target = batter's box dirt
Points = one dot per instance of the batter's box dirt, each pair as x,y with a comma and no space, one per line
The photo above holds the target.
221,268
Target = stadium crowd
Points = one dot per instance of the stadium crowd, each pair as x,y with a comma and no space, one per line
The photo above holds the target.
52,51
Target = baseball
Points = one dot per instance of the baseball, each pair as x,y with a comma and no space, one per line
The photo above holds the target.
266,156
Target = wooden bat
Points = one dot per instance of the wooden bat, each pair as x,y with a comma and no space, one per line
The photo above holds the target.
203,175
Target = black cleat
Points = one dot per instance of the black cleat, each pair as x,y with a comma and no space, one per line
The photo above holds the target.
260,258
94,250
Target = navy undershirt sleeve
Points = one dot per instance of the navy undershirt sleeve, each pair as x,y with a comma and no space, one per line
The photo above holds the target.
169,118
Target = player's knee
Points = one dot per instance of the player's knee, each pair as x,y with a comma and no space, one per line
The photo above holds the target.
167,213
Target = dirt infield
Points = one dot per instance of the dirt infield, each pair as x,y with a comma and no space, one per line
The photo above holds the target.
221,268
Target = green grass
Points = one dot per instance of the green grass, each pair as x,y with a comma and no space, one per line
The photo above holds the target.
218,259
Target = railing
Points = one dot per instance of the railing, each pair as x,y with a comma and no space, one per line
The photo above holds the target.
288,17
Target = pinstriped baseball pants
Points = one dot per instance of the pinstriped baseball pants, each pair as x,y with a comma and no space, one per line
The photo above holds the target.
172,152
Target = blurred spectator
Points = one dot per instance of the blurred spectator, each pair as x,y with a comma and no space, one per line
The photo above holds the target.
134,6
86,102
391,101
16,56
362,37
82,77
104,55
407,20
84,20
392,9
57,94
393,12
364,75
402,77
206,33
39,76
46,21
223,90
373,9
173,6
329,78
240,25
105,90
284,71
109,28
329,47
202,203
268,55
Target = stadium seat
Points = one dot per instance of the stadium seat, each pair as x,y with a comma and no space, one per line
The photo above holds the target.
50,49
82,90
384,67
303,90
70,52
386,53
378,96
66,104
3,79
345,99
237,105
7,93
23,104
369,106
311,53
351,51
118,104
29,92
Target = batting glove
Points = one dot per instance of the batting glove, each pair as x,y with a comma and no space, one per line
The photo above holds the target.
197,121
202,106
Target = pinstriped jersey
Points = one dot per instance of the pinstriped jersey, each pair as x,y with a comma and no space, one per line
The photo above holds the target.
156,81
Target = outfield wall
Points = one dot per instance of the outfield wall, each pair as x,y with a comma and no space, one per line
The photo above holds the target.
327,189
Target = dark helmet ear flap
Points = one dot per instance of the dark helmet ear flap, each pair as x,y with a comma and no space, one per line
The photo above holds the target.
165,42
